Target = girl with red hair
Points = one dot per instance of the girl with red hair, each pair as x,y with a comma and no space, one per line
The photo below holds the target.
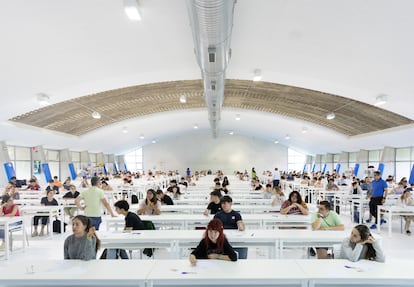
214,245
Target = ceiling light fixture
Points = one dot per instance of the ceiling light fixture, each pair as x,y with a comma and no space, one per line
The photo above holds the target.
195,126
276,141
257,75
304,130
380,100
154,141
238,117
330,116
43,99
125,130
96,115
183,99
231,133
141,137
287,137
132,10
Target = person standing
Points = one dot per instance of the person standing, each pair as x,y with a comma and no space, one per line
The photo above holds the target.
94,198
276,177
378,194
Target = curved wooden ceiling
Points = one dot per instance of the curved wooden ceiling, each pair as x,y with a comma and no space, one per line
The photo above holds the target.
74,116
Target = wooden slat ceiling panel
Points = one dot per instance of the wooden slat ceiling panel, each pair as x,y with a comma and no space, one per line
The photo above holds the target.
74,116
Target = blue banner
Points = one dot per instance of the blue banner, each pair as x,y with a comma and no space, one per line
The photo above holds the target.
381,168
304,168
116,168
411,180
46,172
9,169
324,169
125,167
104,169
356,168
313,167
72,170
338,167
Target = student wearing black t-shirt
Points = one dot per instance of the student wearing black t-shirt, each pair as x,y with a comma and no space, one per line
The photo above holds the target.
45,201
214,245
214,206
132,222
164,198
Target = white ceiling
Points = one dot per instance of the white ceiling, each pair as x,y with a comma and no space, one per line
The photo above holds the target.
68,49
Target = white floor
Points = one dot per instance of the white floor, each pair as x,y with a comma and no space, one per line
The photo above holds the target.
398,246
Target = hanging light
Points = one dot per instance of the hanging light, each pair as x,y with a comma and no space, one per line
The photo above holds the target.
132,10
287,137
43,99
257,75
96,115
154,141
330,116
195,127
237,117
125,130
231,133
276,141
183,99
304,130
141,137
380,100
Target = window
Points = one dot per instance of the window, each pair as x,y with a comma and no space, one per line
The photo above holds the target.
133,160
296,160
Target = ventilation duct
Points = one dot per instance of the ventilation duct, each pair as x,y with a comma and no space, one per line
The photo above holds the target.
211,24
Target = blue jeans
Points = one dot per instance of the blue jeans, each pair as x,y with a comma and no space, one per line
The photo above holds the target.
242,251
96,221
112,254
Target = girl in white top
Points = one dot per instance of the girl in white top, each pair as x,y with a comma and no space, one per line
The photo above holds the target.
404,201
361,245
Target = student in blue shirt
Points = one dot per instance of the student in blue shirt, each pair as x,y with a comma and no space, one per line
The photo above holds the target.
378,194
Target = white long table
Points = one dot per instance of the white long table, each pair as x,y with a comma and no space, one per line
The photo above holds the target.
184,221
9,224
42,210
274,240
38,272
194,208
341,272
393,210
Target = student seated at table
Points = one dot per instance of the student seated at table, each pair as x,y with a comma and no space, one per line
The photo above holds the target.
361,245
83,243
278,197
325,219
132,222
231,220
267,192
52,186
71,194
8,209
33,185
45,201
165,199
214,206
294,205
149,205
214,245
12,191
404,201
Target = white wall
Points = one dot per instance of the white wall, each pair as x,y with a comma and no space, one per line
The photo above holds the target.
203,152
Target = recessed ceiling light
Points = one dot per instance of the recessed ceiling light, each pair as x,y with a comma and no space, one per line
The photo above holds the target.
238,117
330,116
43,99
195,126
125,130
183,99
380,100
231,133
96,115
287,137
257,75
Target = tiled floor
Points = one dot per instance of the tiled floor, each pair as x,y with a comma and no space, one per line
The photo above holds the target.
398,246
